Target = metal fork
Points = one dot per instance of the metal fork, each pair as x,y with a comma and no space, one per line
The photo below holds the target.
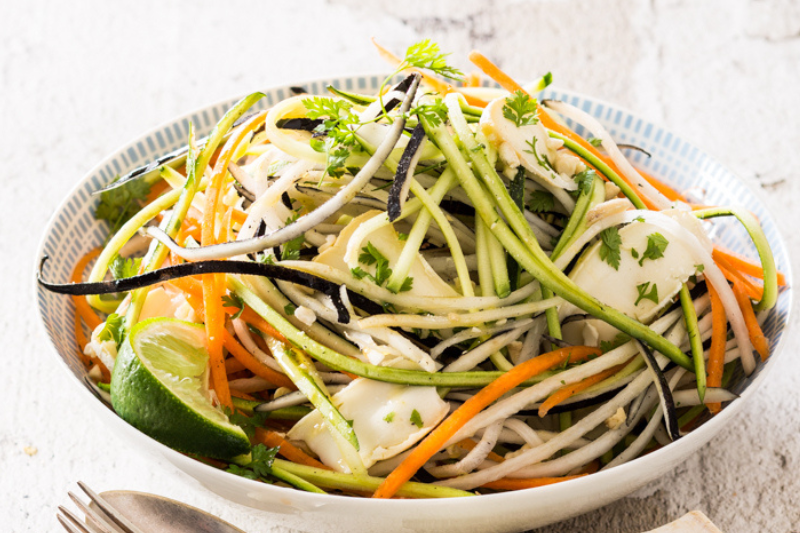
104,519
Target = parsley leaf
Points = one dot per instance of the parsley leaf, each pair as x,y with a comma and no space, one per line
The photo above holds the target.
370,255
609,249
427,55
289,309
520,109
389,417
541,202
290,251
263,458
358,272
232,300
338,116
407,283
416,419
656,244
122,267
644,294
112,330
117,206
634,253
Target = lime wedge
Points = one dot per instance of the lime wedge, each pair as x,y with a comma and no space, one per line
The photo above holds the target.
160,386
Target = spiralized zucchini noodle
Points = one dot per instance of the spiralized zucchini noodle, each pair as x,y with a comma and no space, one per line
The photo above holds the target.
436,290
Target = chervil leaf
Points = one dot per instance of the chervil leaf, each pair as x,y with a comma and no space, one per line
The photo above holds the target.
609,247
434,113
232,300
427,55
117,206
541,202
322,107
656,244
542,161
521,109
416,419
112,330
337,116
644,294
122,267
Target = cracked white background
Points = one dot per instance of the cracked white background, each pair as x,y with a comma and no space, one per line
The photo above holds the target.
78,79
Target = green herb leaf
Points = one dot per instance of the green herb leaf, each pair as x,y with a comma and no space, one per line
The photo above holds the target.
521,109
609,247
122,267
407,283
389,417
541,202
241,471
435,112
584,180
416,419
402,236
644,294
656,244
358,273
290,251
542,161
289,309
263,458
117,206
112,330
594,141
427,55
232,300
247,423
634,253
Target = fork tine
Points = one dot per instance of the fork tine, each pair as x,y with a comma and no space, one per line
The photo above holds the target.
84,527
115,515
97,517
69,526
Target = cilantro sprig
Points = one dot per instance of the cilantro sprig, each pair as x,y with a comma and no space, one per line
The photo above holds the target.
541,202
233,300
261,464
337,118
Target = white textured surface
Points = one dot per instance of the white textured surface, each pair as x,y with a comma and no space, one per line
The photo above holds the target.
79,79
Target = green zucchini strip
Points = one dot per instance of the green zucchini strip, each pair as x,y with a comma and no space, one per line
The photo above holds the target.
600,165
690,316
750,223
299,375
338,480
529,254
338,361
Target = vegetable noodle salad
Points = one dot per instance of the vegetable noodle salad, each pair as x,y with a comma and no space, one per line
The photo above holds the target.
440,290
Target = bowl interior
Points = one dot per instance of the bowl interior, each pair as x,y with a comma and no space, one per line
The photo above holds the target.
73,231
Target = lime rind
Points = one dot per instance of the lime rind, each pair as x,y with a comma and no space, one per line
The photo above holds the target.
159,385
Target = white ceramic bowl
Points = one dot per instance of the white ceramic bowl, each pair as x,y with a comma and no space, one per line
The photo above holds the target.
72,232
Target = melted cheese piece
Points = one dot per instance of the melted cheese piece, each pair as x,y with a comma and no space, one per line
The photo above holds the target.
370,404
618,288
426,281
